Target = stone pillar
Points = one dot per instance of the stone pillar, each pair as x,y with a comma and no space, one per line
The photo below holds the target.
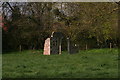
68,45
47,47
60,46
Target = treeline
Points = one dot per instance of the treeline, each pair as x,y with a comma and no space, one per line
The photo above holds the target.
88,25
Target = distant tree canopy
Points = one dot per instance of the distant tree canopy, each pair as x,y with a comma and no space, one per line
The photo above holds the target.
29,24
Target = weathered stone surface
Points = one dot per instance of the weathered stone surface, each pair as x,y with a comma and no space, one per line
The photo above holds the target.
53,44
55,41
54,47
74,49
47,47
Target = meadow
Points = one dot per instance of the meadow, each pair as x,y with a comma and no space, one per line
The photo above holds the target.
95,63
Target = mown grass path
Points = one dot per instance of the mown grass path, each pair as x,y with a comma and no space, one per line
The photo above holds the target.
96,63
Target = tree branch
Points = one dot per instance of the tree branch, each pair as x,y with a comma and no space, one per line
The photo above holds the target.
10,6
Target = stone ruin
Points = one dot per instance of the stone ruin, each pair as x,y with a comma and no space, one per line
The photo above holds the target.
73,49
53,44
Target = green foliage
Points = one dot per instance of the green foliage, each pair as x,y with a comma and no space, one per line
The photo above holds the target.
31,23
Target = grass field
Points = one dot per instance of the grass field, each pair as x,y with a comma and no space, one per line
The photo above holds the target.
96,63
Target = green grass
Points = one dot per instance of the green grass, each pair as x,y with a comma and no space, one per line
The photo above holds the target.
96,63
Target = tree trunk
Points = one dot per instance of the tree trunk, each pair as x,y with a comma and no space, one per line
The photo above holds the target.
68,45
86,46
110,46
61,6
98,44
20,48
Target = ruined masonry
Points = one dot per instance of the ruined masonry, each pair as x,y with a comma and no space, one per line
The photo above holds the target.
53,44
